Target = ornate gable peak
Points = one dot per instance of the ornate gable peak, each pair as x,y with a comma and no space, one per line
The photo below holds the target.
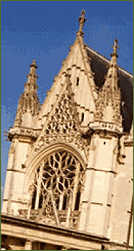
78,57
63,121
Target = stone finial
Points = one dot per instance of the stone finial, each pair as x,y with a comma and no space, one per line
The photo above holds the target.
113,62
33,67
82,20
115,47
34,61
33,64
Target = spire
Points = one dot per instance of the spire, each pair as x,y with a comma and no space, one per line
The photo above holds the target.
31,85
114,55
82,20
111,78
29,101
108,102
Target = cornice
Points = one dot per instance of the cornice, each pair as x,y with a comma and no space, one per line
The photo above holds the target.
59,231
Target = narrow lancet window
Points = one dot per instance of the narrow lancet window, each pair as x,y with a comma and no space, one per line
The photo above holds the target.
77,81
82,117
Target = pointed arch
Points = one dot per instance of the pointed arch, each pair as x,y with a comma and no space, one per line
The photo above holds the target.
46,150
55,183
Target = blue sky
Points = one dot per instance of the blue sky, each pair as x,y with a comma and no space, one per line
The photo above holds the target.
44,30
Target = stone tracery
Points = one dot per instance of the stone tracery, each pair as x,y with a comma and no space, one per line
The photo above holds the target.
56,190
63,123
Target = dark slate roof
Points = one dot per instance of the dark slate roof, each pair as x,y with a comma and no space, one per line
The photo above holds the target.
99,66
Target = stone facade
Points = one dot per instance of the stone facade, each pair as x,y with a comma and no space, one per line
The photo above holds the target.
70,167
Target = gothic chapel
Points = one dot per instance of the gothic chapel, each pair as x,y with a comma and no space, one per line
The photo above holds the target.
70,169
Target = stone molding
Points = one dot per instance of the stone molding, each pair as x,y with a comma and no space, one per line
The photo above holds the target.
23,132
61,236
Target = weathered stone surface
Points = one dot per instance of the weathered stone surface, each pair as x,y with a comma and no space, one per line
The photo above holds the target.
69,173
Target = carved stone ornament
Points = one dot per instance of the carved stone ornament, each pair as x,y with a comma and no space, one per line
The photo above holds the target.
109,95
28,101
63,124
23,132
55,190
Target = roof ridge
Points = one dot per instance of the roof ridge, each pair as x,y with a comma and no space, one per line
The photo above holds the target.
108,60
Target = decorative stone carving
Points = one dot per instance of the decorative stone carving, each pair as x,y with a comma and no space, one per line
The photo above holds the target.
29,101
109,95
82,20
23,131
63,123
56,190
18,118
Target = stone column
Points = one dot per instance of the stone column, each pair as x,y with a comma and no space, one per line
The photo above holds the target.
28,245
88,186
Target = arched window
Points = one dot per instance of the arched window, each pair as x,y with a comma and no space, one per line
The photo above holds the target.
56,189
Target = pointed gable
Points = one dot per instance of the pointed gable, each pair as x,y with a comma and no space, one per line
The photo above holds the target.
83,85
62,123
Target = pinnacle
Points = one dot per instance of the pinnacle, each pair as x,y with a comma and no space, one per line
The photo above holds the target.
114,55
29,101
31,84
34,61
110,93
82,20
112,71
115,47
33,64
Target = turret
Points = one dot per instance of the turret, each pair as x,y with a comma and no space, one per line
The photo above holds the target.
28,106
108,102
105,149
22,135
